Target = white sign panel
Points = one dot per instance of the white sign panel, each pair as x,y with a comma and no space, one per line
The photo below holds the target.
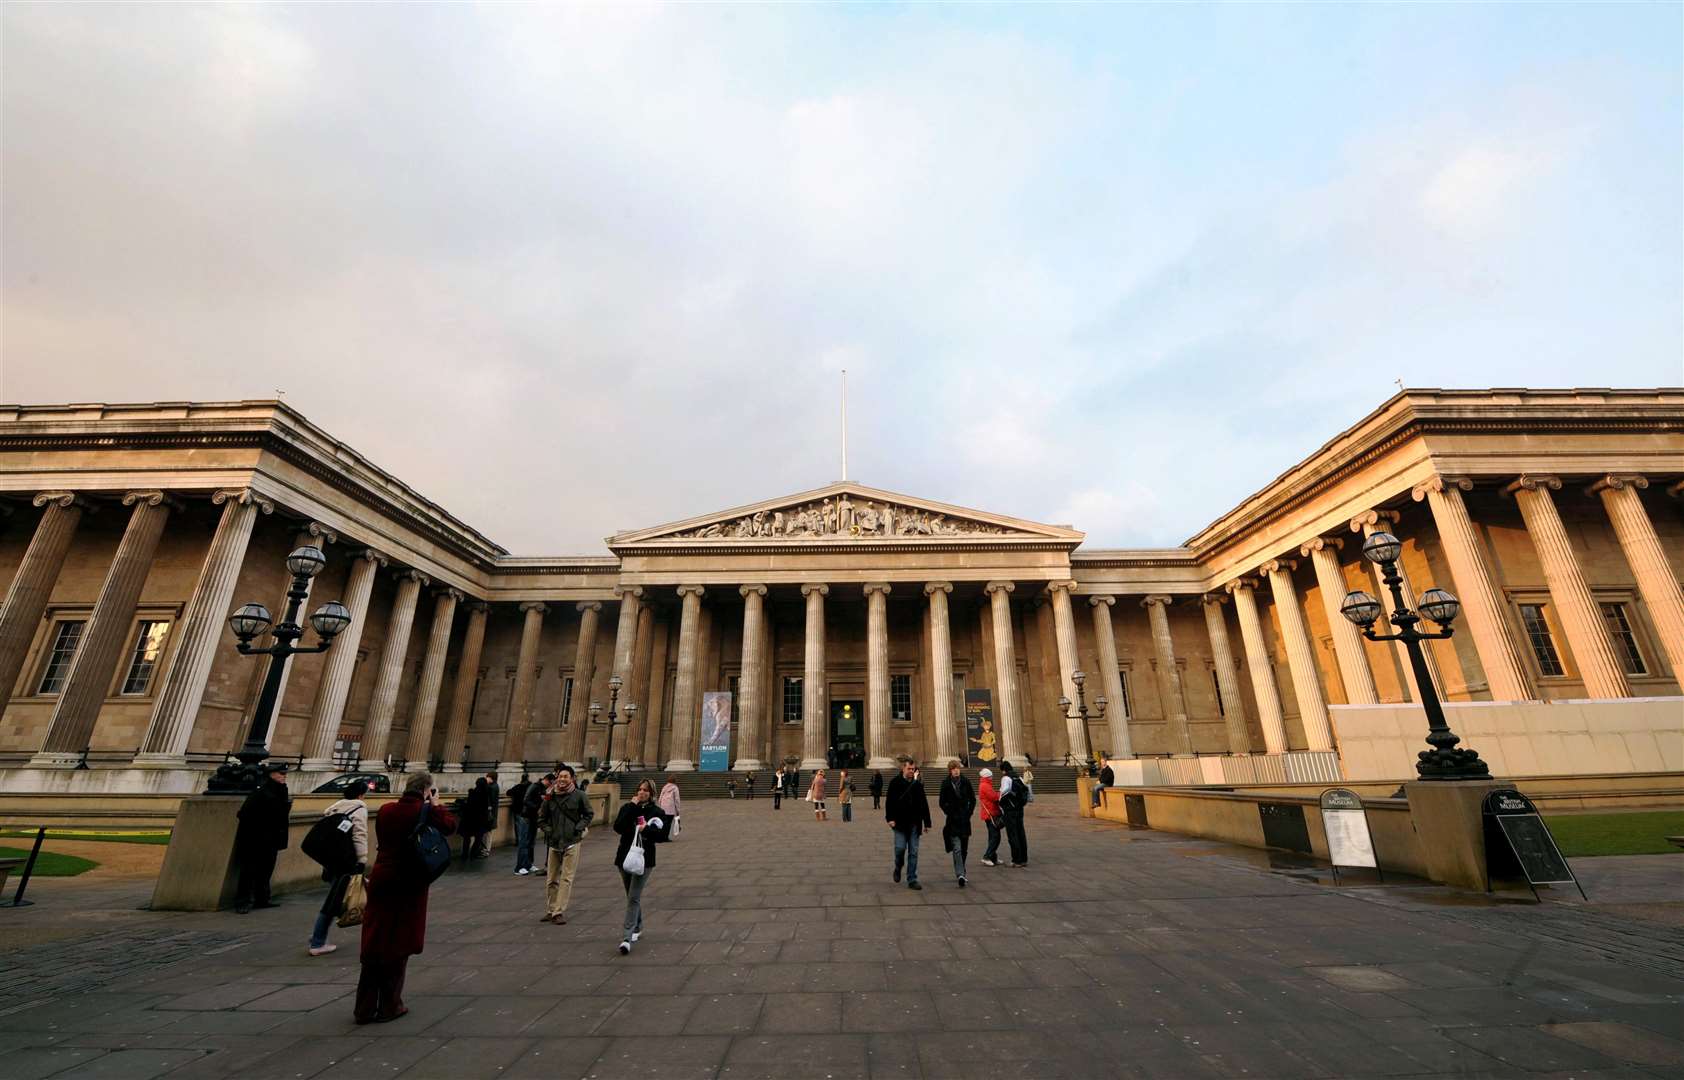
1348,842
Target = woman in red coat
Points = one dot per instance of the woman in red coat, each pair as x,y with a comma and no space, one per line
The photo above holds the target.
395,916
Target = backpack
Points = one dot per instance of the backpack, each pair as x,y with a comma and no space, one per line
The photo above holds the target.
329,842
429,851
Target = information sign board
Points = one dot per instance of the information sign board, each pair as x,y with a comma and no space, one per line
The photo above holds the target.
1343,819
1516,838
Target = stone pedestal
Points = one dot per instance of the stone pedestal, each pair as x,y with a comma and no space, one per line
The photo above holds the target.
1447,822
199,872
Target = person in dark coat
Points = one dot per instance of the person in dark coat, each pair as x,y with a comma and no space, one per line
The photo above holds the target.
876,790
958,802
642,816
260,837
1014,794
524,826
907,810
473,818
395,916
1107,778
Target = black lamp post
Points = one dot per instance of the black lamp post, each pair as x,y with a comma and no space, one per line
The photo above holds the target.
251,621
1445,761
1081,710
606,769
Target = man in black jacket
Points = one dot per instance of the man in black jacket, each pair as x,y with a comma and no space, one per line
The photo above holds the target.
1107,778
907,810
261,835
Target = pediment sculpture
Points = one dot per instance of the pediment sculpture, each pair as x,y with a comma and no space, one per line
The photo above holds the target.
842,516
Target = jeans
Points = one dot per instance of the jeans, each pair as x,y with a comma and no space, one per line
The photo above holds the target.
634,902
961,848
330,910
847,811
558,880
1016,839
523,843
1097,788
906,850
993,852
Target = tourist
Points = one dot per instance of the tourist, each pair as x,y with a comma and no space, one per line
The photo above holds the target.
1107,778
989,800
1014,793
524,814
565,817
531,805
778,789
749,784
395,918
640,818
731,786
670,802
815,792
339,877
958,803
472,815
493,806
845,795
907,809
260,837
876,789
1028,779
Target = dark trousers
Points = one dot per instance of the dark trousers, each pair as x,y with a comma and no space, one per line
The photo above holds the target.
876,801
256,868
380,990
777,798
1016,839
992,854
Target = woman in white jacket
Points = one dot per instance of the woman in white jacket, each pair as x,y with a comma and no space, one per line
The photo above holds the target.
355,811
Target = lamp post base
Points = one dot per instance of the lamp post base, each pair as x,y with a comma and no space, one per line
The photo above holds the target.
1451,763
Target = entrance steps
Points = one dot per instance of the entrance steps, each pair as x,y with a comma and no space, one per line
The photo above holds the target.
1049,780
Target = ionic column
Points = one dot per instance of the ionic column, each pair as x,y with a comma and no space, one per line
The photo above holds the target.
1263,686
625,645
1169,676
684,700
1064,632
341,665
318,536
815,726
1648,561
751,678
462,695
639,683
1110,673
948,743
1005,671
384,704
97,655
202,625
584,673
1227,676
877,676
1300,656
1482,604
526,674
1369,523
1581,618
32,587
1347,640
432,677
660,646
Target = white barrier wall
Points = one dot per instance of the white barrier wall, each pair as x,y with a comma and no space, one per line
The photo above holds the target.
1524,738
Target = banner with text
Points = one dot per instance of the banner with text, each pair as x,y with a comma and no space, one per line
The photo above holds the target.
716,731
982,742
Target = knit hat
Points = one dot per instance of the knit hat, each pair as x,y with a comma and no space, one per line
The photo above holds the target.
986,773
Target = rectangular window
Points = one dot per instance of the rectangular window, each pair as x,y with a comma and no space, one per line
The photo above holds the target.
1625,642
148,647
793,702
1216,687
566,699
1128,703
1543,644
66,636
900,698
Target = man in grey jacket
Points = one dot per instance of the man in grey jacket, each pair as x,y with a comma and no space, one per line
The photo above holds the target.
564,817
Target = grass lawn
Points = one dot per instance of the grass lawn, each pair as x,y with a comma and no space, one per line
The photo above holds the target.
1640,832
48,864
91,834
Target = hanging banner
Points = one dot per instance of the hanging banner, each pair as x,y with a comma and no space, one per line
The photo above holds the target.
982,742
716,731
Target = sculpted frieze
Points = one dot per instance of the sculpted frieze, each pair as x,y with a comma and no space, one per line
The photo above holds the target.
843,517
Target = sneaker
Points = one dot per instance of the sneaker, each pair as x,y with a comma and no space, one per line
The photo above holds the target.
635,935
245,909
897,875
625,948
523,871
915,885
961,883
536,869
989,862
322,950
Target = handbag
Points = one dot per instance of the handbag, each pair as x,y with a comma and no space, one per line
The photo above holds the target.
356,898
633,862
429,850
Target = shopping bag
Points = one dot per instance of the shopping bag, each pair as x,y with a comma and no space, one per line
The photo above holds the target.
633,862
356,896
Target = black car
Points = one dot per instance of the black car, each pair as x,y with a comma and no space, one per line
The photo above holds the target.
378,783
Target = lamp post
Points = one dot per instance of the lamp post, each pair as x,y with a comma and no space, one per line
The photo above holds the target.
329,620
1445,761
1080,712
606,769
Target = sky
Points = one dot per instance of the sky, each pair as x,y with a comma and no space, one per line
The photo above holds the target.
573,270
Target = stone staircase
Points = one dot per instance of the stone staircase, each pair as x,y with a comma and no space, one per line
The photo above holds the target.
1049,780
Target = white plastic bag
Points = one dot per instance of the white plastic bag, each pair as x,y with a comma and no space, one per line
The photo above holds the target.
633,863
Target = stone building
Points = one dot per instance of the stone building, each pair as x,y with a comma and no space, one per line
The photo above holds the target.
845,618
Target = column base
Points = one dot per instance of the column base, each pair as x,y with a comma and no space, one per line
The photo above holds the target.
372,765
811,763
745,764
158,761
881,762
681,765
46,760
452,767
317,764
515,767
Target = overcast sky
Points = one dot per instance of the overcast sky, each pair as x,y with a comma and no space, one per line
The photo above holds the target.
569,271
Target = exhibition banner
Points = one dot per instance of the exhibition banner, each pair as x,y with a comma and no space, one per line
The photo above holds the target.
716,731
982,742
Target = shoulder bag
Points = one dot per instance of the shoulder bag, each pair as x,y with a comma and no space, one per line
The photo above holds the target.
429,850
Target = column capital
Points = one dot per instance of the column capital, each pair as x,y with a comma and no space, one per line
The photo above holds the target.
1240,583
1438,482
999,587
587,605
1066,586
454,593
1618,482
1096,601
1149,601
933,587
374,556
1213,599
151,497
1533,482
753,588
242,497
1676,489
690,590
629,590
411,574
812,587
478,606
878,587
530,606
1378,518
63,500
1319,543
1284,565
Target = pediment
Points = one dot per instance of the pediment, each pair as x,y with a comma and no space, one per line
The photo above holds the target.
846,512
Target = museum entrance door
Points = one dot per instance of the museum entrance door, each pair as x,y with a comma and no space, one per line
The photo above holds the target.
847,737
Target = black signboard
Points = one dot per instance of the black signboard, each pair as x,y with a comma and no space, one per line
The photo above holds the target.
1284,827
1517,840
1135,806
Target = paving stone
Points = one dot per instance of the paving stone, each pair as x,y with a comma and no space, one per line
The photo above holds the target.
551,1059
800,1013
1529,1047
725,1014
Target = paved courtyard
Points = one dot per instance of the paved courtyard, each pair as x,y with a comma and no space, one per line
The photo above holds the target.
777,947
